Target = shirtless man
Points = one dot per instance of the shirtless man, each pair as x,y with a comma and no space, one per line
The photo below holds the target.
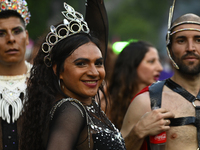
140,121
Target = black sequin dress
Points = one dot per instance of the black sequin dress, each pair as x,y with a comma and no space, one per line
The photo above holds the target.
83,127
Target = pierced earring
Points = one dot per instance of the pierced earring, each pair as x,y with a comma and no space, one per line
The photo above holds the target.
59,82
61,86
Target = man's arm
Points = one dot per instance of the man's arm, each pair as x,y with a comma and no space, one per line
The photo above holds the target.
140,121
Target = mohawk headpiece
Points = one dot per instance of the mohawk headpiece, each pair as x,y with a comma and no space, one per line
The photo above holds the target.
171,13
72,24
185,19
17,5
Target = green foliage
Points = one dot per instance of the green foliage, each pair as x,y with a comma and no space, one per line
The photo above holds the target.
39,16
138,19
128,19
42,12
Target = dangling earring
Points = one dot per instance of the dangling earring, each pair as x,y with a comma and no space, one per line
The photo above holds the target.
59,82
61,86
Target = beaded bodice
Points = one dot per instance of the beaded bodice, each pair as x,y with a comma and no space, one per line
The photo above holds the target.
102,134
12,90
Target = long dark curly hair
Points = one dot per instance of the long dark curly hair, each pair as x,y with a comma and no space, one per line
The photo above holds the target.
43,90
123,83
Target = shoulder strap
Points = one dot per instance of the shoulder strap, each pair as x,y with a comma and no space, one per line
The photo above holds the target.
155,93
74,102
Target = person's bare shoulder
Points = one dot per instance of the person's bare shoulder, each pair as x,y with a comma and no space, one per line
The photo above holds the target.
138,107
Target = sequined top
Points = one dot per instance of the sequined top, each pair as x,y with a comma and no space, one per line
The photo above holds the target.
82,127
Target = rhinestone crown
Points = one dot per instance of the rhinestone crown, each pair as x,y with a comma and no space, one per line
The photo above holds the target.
72,24
18,5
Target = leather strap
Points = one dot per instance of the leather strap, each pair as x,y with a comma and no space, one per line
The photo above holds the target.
156,95
178,89
155,92
197,123
182,121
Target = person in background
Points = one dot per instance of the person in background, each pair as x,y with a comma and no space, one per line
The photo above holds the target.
61,110
177,97
136,67
14,70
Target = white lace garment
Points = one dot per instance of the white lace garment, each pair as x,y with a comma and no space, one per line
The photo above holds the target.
10,89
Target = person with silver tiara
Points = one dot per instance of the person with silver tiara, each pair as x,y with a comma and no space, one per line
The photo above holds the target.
14,70
178,98
63,108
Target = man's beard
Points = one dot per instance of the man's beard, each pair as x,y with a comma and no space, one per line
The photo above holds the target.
189,69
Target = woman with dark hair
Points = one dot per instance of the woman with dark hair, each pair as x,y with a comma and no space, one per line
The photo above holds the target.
136,67
63,107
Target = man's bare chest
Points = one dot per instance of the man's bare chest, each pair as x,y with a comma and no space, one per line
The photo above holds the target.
180,136
178,104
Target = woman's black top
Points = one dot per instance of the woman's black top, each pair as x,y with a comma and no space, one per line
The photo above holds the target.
82,127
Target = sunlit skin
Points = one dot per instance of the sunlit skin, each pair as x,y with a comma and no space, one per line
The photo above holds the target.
13,41
83,72
150,67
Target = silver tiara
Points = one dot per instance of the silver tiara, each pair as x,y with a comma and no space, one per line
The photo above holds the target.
72,24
